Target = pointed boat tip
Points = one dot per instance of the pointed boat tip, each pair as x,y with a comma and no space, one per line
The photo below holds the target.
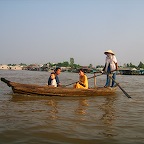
2,79
5,81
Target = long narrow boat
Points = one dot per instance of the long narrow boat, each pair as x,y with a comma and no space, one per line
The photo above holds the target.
33,89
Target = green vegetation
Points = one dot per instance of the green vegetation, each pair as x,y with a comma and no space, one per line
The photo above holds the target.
65,64
141,65
21,64
11,64
71,62
72,65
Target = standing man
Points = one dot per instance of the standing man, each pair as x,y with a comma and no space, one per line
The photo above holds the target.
57,71
110,67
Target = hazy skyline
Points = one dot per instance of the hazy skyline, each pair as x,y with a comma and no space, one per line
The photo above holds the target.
41,31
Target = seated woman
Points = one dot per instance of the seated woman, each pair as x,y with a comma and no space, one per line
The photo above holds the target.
83,81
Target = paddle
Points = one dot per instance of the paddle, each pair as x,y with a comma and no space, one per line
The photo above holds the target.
88,78
120,87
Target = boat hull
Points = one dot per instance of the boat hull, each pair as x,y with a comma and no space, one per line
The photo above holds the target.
33,89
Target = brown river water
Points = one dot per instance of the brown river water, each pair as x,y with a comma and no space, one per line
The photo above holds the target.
113,119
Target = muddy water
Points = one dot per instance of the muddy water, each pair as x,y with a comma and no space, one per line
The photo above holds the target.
79,120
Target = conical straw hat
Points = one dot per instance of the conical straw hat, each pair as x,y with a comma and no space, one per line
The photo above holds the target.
109,51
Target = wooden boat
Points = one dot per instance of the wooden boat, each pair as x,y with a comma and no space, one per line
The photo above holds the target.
33,89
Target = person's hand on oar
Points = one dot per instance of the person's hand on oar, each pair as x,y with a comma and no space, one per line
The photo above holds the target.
102,72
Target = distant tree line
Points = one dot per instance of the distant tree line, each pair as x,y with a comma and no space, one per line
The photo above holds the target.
21,64
65,64
140,65
76,66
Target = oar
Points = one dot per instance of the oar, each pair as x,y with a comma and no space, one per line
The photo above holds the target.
120,88
78,81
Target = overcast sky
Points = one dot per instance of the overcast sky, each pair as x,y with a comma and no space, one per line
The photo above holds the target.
41,31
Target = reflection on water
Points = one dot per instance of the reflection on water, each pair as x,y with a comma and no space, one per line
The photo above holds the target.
109,111
36,119
53,111
108,117
82,105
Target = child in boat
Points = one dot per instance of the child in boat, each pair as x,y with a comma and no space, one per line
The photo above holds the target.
56,72
53,80
83,81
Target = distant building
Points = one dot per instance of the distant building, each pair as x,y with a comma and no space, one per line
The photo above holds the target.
99,69
65,69
128,71
33,67
86,69
4,67
17,67
141,72
44,67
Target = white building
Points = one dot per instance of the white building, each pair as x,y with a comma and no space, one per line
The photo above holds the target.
4,67
17,67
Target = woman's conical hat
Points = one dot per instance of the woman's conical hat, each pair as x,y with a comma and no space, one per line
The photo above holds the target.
109,51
